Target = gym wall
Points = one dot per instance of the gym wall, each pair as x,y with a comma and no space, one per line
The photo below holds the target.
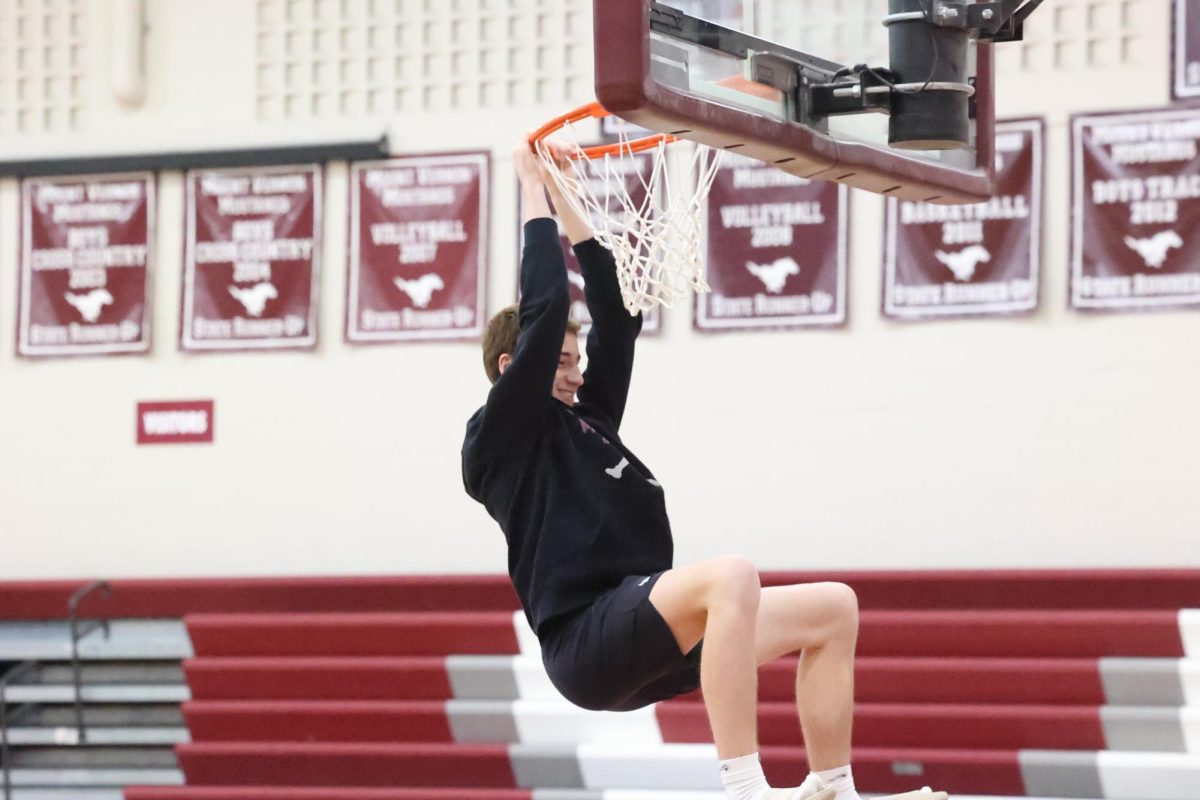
1053,439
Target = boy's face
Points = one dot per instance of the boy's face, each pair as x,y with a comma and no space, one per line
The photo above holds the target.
568,378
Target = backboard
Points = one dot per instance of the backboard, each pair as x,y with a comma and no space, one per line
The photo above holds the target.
699,69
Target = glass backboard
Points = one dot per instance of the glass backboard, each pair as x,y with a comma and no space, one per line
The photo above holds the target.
722,72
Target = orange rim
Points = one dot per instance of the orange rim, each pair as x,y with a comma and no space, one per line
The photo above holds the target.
597,111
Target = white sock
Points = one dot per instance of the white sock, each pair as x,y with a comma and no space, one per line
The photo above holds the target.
841,779
743,778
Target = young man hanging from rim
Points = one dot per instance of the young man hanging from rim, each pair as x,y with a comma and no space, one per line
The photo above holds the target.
589,543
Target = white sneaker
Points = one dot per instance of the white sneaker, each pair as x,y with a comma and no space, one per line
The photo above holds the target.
920,794
804,791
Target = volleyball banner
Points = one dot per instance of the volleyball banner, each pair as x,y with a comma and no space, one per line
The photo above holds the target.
634,183
418,248
85,265
972,260
776,250
1135,210
1185,72
252,244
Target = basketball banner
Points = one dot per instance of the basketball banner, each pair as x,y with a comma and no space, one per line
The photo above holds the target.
1135,210
418,248
776,250
85,265
972,260
252,245
1185,72
633,171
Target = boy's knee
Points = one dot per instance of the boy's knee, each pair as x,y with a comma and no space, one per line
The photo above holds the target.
735,579
843,605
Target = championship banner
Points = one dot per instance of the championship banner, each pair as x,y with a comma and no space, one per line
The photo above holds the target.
85,265
972,260
418,248
1185,84
776,250
1135,210
251,258
633,179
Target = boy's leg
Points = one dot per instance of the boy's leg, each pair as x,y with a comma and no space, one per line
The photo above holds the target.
718,601
743,626
821,620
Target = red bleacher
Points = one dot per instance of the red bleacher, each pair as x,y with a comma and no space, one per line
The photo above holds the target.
345,684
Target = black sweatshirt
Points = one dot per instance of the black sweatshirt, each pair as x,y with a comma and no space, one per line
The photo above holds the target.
578,509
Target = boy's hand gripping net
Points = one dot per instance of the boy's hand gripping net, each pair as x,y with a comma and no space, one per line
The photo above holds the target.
647,211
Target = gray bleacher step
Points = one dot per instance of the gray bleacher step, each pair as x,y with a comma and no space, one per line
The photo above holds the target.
94,757
72,793
62,779
140,639
101,715
132,693
109,673
112,737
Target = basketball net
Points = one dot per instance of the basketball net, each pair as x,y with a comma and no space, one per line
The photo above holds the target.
649,217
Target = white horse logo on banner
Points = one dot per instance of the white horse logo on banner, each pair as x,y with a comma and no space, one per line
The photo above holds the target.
91,304
1154,249
420,290
774,275
964,262
254,299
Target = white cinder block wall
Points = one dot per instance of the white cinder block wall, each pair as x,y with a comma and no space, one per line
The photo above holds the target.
1056,439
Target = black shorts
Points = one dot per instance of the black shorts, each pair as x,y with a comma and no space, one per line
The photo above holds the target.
618,653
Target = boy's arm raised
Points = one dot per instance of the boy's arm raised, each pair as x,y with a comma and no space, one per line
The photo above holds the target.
610,342
522,396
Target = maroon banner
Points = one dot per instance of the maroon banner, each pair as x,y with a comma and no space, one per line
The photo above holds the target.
175,422
1185,84
634,180
85,265
776,250
1135,210
418,248
973,260
251,257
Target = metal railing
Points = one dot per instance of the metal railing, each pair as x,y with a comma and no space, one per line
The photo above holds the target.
12,676
76,634
22,670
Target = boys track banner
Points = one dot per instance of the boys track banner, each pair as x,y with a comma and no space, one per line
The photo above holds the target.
418,248
1135,210
251,258
1185,66
86,255
971,260
776,250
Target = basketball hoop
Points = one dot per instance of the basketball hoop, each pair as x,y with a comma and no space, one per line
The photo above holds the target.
649,218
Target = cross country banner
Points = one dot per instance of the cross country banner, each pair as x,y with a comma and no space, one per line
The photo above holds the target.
252,247
418,248
1135,210
980,259
776,249
85,265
